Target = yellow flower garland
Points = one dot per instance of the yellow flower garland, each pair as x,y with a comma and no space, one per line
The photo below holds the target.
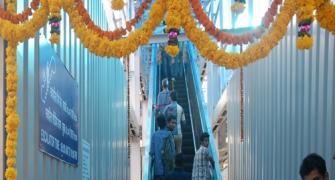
12,118
117,4
172,50
173,16
11,6
173,21
259,50
21,32
102,46
325,14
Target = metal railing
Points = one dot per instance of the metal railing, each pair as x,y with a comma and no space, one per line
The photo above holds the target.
202,107
189,109
150,124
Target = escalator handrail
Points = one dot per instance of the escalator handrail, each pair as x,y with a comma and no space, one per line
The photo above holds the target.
150,123
189,109
205,120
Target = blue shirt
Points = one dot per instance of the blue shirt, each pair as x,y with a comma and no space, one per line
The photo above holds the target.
156,148
163,99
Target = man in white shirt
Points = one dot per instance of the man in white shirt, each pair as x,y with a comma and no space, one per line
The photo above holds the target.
202,160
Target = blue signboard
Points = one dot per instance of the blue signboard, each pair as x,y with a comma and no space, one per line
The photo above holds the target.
58,107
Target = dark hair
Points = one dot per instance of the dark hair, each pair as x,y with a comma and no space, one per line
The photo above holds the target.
313,162
203,136
179,160
160,119
170,117
165,83
173,96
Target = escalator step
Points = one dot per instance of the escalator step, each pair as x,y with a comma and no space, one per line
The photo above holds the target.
188,142
188,150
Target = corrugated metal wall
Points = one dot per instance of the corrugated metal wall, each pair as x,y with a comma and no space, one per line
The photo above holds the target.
289,110
103,108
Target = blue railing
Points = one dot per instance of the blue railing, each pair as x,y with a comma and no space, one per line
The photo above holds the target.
205,120
150,124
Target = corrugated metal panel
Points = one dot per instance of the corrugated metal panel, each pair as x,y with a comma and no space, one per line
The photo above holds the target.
103,108
289,110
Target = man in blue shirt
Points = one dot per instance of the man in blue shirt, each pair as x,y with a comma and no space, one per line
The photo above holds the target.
163,98
161,155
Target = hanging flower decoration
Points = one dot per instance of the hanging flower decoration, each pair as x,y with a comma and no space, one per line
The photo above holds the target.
102,46
11,6
172,48
210,50
117,33
117,4
173,22
54,20
227,38
325,14
305,19
21,17
238,6
12,118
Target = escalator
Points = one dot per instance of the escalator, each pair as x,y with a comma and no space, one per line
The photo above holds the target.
188,88
188,142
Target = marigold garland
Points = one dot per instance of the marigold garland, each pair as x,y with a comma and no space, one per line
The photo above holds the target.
173,22
11,6
21,17
12,118
117,33
54,20
172,50
21,32
325,14
117,4
102,46
227,38
259,50
305,19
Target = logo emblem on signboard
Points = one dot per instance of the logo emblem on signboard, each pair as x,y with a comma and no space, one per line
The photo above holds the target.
47,75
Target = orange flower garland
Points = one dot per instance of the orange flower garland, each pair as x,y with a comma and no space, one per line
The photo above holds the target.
210,50
117,33
21,17
227,38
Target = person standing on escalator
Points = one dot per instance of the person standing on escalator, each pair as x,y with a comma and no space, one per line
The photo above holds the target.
163,98
174,109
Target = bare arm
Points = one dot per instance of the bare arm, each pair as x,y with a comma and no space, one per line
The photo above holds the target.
211,160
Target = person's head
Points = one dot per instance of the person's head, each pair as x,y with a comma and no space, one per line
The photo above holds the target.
161,121
313,167
173,96
165,83
179,160
171,122
204,139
